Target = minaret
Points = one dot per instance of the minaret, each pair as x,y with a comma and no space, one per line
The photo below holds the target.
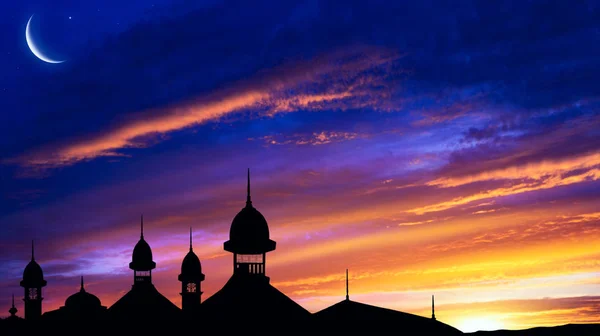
347,296
249,240
191,277
32,283
13,310
432,308
141,260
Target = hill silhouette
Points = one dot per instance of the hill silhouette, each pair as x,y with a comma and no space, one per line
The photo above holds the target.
571,329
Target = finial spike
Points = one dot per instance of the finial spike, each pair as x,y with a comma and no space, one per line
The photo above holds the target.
190,238
32,251
248,199
13,300
432,308
82,289
142,227
347,296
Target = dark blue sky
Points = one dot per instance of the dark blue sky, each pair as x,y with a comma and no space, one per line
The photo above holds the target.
161,106
127,58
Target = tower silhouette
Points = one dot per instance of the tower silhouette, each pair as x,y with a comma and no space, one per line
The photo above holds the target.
249,240
141,260
191,276
143,304
248,298
32,283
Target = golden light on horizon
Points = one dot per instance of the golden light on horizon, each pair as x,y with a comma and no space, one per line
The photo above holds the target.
479,323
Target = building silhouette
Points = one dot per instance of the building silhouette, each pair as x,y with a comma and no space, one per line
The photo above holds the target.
191,278
79,306
143,301
32,283
247,300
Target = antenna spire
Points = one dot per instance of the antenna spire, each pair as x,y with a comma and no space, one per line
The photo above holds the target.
432,308
32,251
248,199
142,227
13,310
347,296
82,289
190,238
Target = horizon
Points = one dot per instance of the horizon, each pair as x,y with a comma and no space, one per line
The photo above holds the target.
429,149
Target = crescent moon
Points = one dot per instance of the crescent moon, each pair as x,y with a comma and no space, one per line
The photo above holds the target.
34,48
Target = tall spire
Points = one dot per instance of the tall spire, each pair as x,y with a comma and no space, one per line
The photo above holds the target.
347,296
142,227
32,251
82,289
248,200
190,238
432,308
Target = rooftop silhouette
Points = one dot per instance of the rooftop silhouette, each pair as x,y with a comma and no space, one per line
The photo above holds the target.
248,298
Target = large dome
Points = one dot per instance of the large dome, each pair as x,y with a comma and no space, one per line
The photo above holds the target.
249,224
141,259
83,300
249,233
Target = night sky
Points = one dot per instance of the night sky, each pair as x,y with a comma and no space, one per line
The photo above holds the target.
431,147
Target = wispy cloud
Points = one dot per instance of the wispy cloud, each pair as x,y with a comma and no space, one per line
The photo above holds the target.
341,80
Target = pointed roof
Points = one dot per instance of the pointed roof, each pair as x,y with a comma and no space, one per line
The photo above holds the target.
336,317
144,303
247,297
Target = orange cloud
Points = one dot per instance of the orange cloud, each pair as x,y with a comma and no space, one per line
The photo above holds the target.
530,177
551,170
298,86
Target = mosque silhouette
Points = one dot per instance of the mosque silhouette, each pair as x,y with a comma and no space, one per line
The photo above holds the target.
246,302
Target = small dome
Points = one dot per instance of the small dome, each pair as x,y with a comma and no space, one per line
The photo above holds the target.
191,268
33,276
141,259
33,272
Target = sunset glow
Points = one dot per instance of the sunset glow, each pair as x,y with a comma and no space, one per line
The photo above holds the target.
449,169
